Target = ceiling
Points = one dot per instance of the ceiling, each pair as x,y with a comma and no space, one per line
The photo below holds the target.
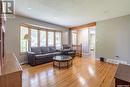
70,13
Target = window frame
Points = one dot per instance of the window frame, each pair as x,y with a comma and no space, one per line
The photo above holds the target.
55,37
39,29
76,33
20,38
40,36
37,37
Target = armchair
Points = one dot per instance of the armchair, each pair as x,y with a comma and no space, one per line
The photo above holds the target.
68,50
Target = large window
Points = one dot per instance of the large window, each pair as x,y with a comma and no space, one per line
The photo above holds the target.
50,38
74,37
34,38
42,38
23,39
37,37
58,40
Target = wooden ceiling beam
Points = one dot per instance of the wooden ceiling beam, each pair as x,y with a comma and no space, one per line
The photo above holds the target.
84,26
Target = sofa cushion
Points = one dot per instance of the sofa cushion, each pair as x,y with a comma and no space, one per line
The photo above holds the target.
36,50
44,50
52,49
51,53
41,55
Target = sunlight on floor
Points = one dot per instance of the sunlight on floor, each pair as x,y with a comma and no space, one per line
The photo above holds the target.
85,72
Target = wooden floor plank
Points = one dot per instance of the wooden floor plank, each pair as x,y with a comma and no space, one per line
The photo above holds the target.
85,72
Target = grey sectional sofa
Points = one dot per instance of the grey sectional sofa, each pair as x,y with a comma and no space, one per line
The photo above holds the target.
40,55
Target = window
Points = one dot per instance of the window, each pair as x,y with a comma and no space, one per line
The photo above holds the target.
58,40
34,38
50,38
37,37
23,39
74,37
42,38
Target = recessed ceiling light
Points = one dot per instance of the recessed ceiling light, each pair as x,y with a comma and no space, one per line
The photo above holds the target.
29,8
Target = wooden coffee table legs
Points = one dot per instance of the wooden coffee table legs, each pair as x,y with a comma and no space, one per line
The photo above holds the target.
67,63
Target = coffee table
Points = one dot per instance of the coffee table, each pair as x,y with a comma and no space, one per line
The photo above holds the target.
62,61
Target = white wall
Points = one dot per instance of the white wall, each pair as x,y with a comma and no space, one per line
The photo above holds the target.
113,38
12,36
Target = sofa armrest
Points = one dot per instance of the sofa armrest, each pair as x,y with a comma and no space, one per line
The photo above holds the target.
31,58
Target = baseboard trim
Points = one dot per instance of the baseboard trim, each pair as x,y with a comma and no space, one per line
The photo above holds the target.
114,61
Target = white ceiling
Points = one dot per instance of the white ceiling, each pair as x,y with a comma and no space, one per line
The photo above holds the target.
72,13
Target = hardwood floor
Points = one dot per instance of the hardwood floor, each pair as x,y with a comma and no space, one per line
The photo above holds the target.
85,72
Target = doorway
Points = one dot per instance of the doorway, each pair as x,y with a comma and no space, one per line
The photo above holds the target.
85,37
92,40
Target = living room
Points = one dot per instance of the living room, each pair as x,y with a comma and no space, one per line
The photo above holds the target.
57,44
